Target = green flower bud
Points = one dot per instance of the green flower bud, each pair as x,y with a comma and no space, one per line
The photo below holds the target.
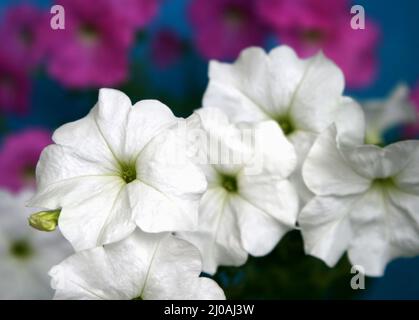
45,220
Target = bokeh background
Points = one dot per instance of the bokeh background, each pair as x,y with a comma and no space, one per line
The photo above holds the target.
160,50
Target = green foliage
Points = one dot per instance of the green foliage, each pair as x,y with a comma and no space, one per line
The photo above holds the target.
288,273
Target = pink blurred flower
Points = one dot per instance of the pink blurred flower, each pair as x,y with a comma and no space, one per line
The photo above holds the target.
311,25
414,97
14,85
166,48
136,12
283,14
411,131
224,27
93,48
21,33
19,156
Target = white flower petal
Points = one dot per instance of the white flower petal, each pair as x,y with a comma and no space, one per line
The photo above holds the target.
154,211
117,271
384,114
100,135
326,173
71,191
286,73
83,139
111,119
184,259
273,153
350,123
218,236
241,89
277,198
408,178
318,96
102,218
114,130
163,163
225,146
375,162
385,226
325,227
302,141
213,121
146,120
58,163
65,178
259,232
150,266
169,186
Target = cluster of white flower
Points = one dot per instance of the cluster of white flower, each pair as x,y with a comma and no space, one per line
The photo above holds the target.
127,191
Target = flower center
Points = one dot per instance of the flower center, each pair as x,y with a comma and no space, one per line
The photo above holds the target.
6,83
26,36
229,183
28,174
21,249
286,125
88,34
234,16
383,182
312,36
128,173
374,138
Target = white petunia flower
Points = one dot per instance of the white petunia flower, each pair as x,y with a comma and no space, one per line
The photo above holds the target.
143,266
367,198
26,255
383,114
119,167
249,204
301,95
